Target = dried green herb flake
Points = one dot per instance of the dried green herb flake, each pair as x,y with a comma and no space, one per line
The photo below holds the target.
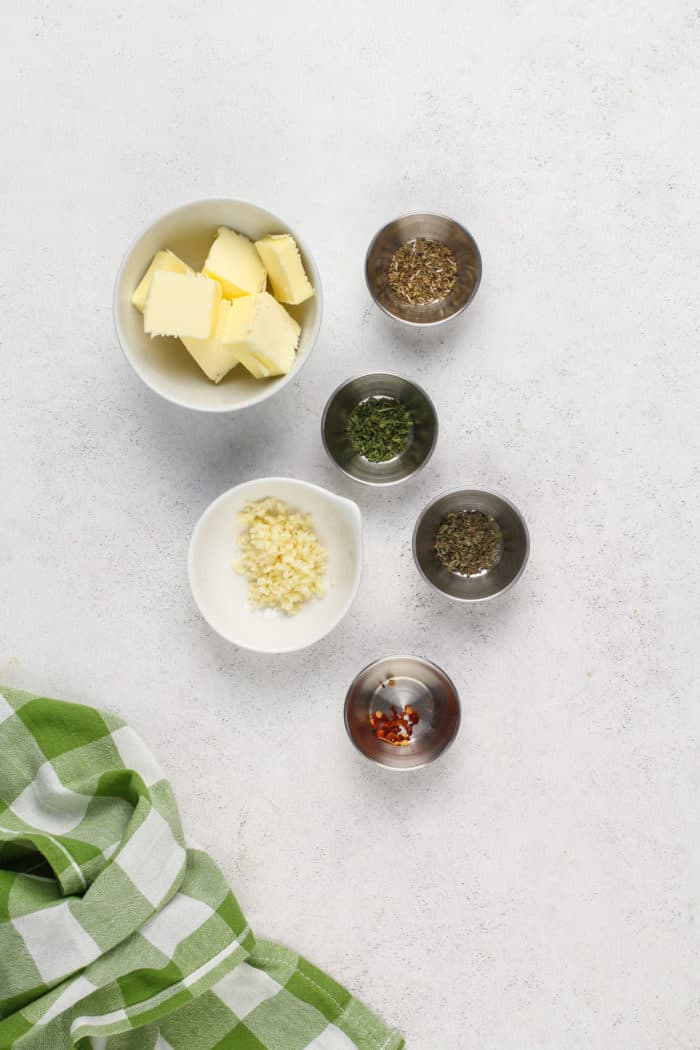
422,271
469,542
379,428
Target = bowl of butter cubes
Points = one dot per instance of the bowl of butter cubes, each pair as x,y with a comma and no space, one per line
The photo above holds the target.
217,305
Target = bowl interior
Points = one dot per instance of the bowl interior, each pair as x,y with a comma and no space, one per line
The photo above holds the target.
417,682
423,432
164,364
495,580
432,227
222,594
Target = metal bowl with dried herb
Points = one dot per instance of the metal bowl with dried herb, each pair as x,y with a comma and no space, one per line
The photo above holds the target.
379,428
471,545
423,269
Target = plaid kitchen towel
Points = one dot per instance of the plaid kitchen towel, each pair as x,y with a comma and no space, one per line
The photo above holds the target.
116,933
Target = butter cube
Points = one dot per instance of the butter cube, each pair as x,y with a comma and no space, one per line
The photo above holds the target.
262,335
235,264
165,260
285,269
181,304
213,356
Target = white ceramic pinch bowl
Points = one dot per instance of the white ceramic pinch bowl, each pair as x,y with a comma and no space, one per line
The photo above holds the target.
164,364
221,593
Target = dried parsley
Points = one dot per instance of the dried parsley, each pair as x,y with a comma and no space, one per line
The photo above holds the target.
469,542
379,428
422,271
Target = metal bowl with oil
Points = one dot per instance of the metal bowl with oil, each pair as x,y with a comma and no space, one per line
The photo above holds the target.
489,583
432,227
422,437
402,681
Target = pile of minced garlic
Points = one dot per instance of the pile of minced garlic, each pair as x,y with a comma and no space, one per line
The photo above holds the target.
281,556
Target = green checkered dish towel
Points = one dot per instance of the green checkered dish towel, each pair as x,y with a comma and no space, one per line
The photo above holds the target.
116,933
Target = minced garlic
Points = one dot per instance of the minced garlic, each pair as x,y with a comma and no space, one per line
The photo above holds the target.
281,556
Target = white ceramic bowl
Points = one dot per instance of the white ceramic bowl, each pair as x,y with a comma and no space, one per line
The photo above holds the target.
164,364
222,594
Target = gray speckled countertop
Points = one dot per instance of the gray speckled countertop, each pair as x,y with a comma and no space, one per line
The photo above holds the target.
546,872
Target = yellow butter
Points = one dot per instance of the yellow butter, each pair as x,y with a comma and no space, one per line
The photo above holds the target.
262,335
213,356
281,259
235,264
165,260
181,304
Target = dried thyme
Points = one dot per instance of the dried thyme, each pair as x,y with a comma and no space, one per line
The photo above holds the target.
379,428
422,271
469,542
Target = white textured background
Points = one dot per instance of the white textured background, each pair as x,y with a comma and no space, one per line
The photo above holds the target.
540,886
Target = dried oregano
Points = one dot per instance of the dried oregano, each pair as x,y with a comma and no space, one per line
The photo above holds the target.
469,542
422,271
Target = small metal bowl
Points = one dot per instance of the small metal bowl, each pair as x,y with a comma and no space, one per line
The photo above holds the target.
417,682
422,440
516,546
432,227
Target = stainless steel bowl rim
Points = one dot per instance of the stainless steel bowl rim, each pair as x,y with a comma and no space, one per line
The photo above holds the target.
485,597
440,320
420,660
367,481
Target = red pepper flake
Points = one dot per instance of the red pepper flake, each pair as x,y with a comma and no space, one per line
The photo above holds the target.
395,728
